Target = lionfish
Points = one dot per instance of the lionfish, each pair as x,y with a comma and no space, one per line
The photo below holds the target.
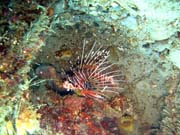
94,75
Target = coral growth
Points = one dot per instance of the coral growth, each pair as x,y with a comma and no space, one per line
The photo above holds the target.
27,123
171,112
69,76
15,54
78,115
126,123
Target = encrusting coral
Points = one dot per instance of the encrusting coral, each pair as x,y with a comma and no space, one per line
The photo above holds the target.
27,122
171,113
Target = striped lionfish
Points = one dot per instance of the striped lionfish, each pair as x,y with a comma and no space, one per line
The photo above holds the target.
94,75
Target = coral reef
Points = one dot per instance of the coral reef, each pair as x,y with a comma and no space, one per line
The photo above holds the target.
26,123
42,49
171,112
15,54
78,115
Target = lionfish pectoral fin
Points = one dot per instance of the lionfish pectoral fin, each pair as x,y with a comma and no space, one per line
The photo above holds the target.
92,94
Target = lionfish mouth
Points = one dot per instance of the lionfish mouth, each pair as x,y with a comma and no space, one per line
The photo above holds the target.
94,75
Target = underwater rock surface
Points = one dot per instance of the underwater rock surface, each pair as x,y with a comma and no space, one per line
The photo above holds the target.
41,48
